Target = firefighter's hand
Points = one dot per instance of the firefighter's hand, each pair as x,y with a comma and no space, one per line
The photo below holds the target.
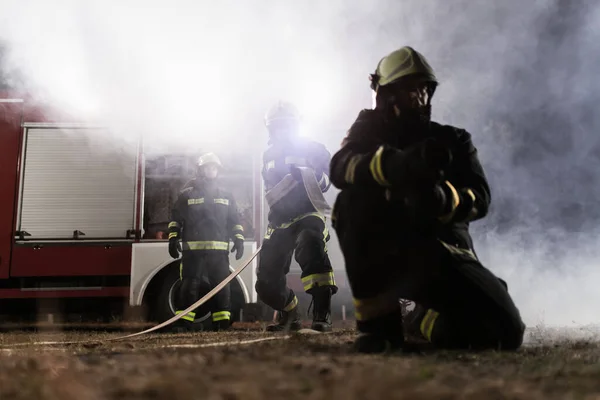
459,204
238,247
428,201
416,166
174,248
441,201
296,173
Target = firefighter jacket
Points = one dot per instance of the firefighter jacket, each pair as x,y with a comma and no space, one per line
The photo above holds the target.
278,161
364,176
205,217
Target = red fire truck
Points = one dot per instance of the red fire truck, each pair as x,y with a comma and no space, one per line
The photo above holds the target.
79,219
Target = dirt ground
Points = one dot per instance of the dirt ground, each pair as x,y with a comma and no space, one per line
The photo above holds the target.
552,365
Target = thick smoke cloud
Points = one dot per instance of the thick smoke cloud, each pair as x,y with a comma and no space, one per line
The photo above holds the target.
520,76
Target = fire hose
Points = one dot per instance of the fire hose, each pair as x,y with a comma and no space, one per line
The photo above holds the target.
315,196
197,304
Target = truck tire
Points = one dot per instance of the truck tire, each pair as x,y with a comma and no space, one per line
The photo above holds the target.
164,307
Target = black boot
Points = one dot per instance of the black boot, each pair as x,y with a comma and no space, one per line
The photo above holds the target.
286,320
322,309
381,335
412,321
219,326
178,326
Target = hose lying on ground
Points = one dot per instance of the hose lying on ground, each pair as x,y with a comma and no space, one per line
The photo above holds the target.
197,304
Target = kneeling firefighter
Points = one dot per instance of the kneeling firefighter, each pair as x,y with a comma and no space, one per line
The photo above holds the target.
205,218
295,173
409,189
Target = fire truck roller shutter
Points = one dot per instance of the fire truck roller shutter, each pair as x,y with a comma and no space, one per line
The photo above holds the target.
77,179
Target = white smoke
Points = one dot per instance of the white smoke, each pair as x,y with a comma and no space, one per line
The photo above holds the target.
199,74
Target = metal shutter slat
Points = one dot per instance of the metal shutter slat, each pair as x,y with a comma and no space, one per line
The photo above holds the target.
70,184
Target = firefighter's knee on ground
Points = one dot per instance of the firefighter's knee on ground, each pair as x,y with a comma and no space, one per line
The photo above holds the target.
505,337
513,336
514,342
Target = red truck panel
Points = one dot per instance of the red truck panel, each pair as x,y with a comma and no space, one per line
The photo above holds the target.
118,291
70,260
10,129
36,111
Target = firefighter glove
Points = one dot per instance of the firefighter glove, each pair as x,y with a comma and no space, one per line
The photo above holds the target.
427,201
459,205
238,247
418,166
405,168
174,248
436,201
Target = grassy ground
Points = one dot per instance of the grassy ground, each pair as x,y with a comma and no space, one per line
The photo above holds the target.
554,364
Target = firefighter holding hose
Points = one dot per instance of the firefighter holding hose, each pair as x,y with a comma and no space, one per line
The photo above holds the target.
295,173
409,189
205,218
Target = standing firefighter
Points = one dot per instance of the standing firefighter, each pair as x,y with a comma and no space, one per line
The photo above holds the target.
295,173
205,218
409,188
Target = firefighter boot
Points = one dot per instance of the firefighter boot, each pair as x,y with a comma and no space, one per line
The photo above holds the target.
412,322
221,321
178,326
286,320
322,309
219,326
381,335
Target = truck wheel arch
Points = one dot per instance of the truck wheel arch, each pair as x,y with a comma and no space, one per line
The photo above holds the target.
153,281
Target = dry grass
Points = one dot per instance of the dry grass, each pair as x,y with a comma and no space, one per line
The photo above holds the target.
313,366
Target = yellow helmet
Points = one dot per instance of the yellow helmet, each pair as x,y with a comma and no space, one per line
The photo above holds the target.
209,158
401,63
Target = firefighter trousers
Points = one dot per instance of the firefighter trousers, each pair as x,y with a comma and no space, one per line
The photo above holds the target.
305,238
468,307
201,271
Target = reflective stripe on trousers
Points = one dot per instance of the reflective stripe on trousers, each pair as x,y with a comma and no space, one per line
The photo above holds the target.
315,280
221,316
428,323
291,305
191,316
271,229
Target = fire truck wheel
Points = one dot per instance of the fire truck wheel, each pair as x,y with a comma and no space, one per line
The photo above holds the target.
165,302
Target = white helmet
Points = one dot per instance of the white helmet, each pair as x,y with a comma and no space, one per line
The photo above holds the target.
282,111
209,158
